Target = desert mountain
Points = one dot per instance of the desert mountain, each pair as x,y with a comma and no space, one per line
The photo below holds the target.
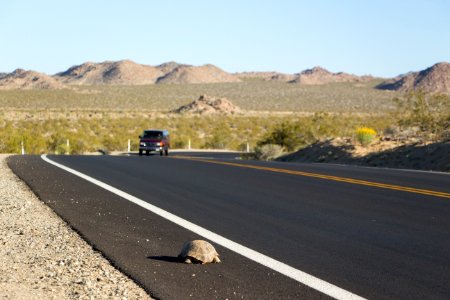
22,79
314,76
170,66
318,75
208,105
202,74
435,79
124,72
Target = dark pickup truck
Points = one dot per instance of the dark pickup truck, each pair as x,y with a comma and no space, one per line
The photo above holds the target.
154,140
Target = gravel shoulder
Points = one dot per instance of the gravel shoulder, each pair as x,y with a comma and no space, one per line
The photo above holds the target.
41,257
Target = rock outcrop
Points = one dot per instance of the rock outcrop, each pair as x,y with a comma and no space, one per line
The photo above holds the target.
201,74
318,75
208,105
168,67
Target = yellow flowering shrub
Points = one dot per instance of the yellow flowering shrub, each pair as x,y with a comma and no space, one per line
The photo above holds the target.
365,135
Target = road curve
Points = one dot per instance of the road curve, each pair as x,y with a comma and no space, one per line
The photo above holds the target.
370,239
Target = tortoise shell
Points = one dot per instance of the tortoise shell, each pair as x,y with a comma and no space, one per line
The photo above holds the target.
199,251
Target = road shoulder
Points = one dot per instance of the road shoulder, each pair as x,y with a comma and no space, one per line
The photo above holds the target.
43,258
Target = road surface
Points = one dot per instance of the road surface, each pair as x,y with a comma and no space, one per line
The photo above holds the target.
375,233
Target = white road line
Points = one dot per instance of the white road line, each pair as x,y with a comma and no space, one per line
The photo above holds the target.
300,276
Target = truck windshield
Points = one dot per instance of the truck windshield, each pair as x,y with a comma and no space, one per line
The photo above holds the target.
152,135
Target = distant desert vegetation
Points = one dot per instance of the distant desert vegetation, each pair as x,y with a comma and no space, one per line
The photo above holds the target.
249,95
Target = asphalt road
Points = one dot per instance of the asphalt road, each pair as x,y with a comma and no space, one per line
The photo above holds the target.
377,233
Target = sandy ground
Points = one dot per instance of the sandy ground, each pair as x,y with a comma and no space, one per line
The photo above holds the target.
42,258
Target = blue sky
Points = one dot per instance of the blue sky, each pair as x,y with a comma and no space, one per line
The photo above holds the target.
382,38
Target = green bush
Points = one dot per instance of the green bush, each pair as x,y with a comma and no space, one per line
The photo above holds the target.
286,135
430,113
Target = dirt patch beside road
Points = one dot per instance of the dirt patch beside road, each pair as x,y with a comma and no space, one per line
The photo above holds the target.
386,154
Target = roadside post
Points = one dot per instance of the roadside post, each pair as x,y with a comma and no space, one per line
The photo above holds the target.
22,148
129,146
67,147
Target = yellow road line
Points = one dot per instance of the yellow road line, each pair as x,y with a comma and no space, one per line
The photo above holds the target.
322,176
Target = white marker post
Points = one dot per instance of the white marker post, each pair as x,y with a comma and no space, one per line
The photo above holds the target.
129,146
189,144
248,147
68,147
22,148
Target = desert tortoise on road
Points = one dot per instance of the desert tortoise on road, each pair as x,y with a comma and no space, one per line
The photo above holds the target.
200,252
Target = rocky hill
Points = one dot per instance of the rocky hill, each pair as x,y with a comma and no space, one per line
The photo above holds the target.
435,79
208,105
3,75
22,79
124,72
168,67
318,75
201,74
314,76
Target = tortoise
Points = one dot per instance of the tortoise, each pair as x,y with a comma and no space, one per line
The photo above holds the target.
199,252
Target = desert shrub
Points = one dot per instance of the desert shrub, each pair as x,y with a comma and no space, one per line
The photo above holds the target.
268,152
57,143
428,112
243,147
285,135
182,133
325,125
220,137
250,95
78,146
112,142
111,132
365,135
179,144
217,141
10,141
